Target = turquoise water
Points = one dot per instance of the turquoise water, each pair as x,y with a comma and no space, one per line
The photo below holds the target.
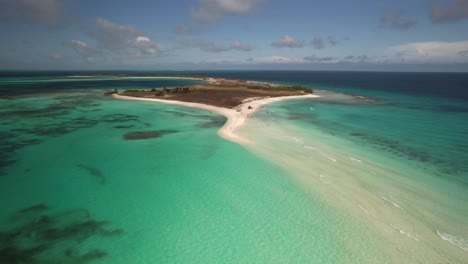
86,178
74,190
429,133
397,163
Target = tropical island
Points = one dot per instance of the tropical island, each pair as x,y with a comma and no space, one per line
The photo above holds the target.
237,100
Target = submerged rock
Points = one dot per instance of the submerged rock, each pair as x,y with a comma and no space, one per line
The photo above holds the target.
148,134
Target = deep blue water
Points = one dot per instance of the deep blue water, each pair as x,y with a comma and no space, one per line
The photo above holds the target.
447,85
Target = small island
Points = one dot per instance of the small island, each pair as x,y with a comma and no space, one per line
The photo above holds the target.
237,100
221,92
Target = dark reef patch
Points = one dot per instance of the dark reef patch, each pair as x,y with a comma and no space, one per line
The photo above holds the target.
382,143
148,134
23,125
207,151
212,121
118,118
298,116
9,144
37,208
96,173
60,107
438,108
36,235
124,127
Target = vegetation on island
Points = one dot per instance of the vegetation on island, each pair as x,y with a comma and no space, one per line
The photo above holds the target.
220,92
282,88
260,86
158,92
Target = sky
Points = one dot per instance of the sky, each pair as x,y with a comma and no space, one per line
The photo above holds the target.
360,35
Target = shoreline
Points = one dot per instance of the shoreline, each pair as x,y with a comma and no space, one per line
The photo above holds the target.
139,77
236,117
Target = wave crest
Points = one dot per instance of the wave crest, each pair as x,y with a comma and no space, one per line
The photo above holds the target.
457,241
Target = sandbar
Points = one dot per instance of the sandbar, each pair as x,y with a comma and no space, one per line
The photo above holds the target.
236,117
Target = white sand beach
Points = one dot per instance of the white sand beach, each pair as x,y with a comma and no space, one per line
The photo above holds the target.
236,117
139,77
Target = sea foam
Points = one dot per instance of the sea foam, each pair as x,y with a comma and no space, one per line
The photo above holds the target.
310,147
327,156
298,140
390,201
406,233
457,241
322,179
356,160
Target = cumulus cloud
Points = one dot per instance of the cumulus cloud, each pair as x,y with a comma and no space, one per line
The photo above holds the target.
360,58
320,43
432,52
84,50
455,11
332,41
274,60
288,42
208,46
317,43
329,59
315,59
112,36
393,19
42,12
56,56
237,45
118,42
146,47
212,10
183,30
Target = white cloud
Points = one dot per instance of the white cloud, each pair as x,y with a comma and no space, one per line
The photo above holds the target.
255,61
112,36
394,19
237,45
208,46
43,12
289,42
146,47
361,59
84,50
212,10
275,60
56,56
183,30
315,59
317,43
457,10
431,52
332,41
117,42
142,39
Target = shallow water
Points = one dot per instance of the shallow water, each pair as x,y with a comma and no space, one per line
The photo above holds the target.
361,157
86,178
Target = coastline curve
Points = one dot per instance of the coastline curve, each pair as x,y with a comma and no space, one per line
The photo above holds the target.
236,117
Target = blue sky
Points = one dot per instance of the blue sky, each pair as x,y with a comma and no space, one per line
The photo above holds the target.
397,35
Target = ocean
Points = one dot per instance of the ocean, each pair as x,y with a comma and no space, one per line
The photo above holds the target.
373,171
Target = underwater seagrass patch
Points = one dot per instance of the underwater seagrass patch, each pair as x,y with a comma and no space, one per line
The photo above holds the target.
36,235
148,134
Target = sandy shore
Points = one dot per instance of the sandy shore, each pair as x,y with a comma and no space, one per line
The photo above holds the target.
236,118
138,77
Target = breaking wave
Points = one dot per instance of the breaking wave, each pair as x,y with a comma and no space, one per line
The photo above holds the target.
457,241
